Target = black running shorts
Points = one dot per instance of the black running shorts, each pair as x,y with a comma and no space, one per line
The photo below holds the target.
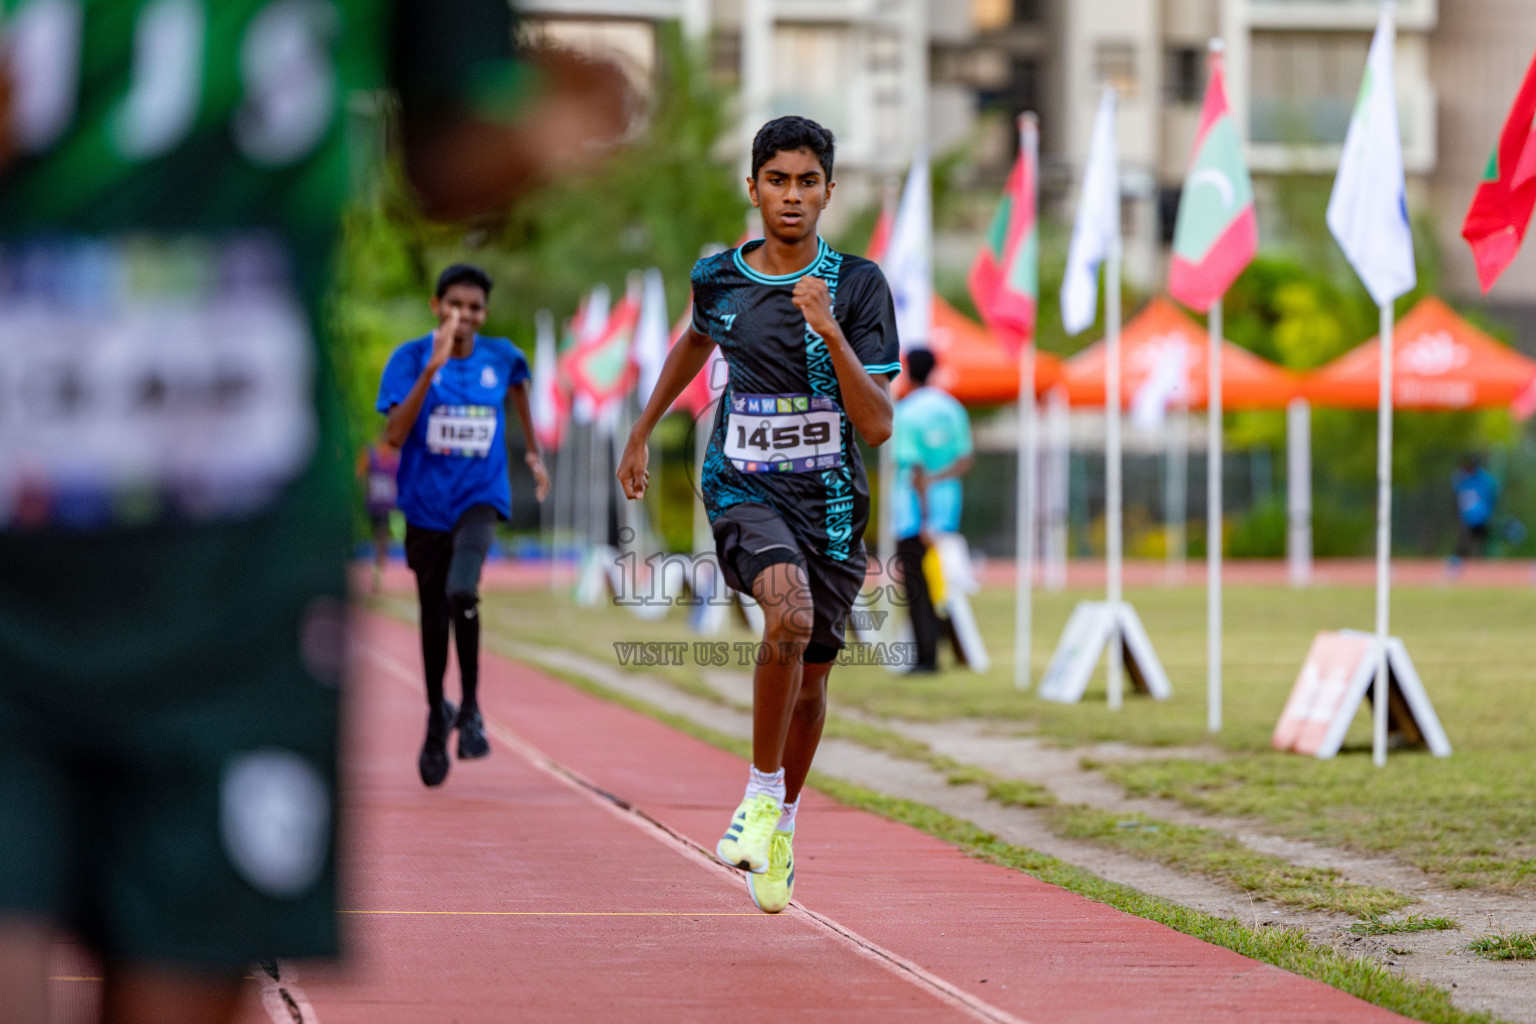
750,537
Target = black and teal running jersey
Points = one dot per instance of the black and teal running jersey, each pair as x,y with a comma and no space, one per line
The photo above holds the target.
780,435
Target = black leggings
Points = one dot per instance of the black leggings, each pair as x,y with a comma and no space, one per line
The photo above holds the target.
447,567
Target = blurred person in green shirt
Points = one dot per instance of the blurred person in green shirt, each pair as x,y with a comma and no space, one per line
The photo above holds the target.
174,493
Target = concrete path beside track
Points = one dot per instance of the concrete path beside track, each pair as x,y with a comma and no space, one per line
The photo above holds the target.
564,879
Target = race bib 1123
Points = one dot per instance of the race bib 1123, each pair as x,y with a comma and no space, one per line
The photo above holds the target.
463,430
784,433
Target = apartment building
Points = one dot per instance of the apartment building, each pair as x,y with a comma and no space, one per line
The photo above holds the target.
858,66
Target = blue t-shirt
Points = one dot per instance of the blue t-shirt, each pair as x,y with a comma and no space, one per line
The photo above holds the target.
456,453
1475,494
932,431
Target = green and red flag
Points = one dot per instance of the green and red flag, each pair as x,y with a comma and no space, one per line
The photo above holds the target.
1005,277
1501,206
600,368
1217,233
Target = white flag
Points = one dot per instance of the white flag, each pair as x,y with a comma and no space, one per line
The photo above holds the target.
908,262
543,402
594,314
649,349
1368,211
1098,222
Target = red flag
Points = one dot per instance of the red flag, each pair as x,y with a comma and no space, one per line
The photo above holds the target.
1004,280
880,237
1501,206
600,368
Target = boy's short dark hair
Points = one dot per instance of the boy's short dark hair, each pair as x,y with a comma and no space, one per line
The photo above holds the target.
787,134
463,273
920,363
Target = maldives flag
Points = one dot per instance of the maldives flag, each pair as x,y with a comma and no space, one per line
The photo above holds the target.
601,370
1005,277
1217,234
1501,206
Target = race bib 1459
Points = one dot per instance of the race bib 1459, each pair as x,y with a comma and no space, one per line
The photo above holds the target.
784,433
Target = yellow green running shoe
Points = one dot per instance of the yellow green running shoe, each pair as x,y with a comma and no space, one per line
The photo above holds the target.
774,888
745,843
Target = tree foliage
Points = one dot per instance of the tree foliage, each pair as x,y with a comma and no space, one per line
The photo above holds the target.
656,203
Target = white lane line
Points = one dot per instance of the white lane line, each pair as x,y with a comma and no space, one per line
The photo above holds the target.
903,968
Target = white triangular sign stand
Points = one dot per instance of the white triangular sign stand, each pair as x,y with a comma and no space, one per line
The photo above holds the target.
601,572
1336,679
1085,640
959,581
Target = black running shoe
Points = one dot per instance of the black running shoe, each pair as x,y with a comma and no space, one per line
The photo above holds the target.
472,741
433,762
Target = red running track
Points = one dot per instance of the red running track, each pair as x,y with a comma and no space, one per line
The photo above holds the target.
518,892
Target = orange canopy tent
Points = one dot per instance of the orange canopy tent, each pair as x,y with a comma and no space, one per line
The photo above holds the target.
1247,381
1439,361
972,366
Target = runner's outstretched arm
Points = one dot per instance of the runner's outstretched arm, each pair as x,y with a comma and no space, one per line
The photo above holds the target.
683,364
517,397
866,398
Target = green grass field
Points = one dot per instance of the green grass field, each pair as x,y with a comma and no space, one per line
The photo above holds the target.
1470,819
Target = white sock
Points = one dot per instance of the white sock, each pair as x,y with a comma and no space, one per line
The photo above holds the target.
763,782
787,816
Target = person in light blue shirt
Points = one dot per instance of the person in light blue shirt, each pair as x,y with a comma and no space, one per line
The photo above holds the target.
933,451
445,395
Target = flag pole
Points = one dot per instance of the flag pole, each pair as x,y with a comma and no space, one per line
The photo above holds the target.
1383,537
1024,533
1176,492
701,433
1059,488
1213,524
885,524
1112,466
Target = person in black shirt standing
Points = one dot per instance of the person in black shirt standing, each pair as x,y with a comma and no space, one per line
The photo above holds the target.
809,335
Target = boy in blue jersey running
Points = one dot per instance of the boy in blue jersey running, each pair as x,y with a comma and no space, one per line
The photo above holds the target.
809,336
445,395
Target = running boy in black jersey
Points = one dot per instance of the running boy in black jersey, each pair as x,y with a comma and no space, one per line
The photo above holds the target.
809,335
